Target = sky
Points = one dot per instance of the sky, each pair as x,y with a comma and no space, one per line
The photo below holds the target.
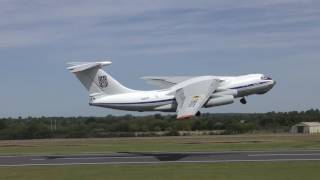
280,38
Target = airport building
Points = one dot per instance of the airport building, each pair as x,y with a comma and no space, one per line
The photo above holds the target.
306,128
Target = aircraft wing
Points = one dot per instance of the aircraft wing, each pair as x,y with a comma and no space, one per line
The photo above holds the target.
165,81
192,97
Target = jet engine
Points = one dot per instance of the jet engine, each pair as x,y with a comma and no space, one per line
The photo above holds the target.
219,100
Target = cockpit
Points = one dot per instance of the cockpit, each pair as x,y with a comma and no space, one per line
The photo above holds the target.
265,78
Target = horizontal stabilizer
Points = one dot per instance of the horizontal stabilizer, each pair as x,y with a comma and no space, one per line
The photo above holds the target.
82,66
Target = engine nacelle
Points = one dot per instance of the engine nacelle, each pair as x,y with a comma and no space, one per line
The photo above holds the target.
219,101
224,92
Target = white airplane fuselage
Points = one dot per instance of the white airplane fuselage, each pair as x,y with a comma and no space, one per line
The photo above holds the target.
164,100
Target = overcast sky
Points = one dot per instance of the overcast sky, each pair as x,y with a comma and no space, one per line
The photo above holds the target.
280,38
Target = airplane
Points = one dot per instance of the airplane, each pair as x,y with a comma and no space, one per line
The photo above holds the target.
185,95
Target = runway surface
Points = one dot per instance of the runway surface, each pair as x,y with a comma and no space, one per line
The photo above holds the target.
157,158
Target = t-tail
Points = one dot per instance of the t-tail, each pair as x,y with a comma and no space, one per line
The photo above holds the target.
96,80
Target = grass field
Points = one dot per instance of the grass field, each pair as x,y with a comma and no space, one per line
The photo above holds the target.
161,144
220,171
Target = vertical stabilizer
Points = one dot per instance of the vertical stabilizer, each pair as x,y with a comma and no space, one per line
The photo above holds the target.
96,80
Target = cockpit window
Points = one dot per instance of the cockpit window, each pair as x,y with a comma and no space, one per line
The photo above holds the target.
266,78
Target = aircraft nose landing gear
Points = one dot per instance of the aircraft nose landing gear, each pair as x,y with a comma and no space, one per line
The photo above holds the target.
243,100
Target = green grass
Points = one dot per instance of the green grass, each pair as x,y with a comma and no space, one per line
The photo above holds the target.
219,171
161,144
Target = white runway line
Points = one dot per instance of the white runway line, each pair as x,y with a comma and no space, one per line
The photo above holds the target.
261,155
97,158
40,159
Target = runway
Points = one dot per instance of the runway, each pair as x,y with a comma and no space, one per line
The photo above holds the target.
160,158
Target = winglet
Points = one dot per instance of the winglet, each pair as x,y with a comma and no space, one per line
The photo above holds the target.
81,66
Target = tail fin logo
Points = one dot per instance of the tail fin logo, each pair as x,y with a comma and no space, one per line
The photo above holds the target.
103,81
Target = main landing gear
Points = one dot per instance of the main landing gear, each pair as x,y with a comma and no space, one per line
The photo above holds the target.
243,100
198,114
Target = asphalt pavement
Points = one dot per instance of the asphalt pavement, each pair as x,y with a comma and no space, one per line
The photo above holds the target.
161,157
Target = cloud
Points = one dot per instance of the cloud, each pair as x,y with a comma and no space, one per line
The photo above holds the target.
156,23
226,37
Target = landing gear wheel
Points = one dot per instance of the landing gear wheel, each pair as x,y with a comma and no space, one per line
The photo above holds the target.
243,100
198,114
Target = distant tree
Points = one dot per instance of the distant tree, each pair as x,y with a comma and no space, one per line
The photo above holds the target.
2,124
111,126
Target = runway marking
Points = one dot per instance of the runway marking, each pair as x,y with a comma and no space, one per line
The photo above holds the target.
258,155
39,159
155,162
95,158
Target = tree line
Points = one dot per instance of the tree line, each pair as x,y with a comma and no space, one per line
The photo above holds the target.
128,125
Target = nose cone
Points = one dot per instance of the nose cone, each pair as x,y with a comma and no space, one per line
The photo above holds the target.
273,83
267,87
